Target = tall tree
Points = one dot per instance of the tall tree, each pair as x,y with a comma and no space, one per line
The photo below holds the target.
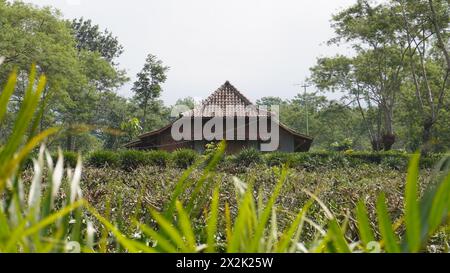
77,74
424,28
147,88
376,69
97,52
39,35
90,38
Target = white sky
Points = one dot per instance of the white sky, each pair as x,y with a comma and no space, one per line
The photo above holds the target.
263,47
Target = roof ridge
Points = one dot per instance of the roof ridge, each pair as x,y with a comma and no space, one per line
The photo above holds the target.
226,88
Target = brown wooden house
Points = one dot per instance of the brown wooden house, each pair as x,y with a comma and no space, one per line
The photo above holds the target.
218,104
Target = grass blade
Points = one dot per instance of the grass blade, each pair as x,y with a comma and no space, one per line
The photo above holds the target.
364,228
385,226
264,218
6,94
171,231
211,227
412,211
186,227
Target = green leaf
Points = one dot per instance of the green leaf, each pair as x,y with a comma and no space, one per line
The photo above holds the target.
211,226
364,228
286,238
264,218
130,245
6,94
336,234
385,225
186,227
412,211
170,230
162,242
240,233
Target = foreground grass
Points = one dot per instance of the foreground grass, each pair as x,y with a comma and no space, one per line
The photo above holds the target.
340,189
120,194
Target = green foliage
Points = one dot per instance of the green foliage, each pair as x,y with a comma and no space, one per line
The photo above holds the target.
14,152
33,225
184,158
395,162
199,214
248,157
82,77
70,159
254,227
345,145
131,127
399,53
128,159
90,38
131,160
157,158
147,88
278,159
102,159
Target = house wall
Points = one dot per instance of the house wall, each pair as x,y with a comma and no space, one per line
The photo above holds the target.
286,142
166,142
163,140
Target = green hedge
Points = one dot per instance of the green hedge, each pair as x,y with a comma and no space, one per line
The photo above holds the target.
248,157
184,158
102,159
158,158
130,159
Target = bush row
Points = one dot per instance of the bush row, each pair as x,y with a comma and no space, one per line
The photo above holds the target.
130,159
392,159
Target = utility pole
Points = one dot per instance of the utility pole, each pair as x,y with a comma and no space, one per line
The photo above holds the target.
305,86
306,108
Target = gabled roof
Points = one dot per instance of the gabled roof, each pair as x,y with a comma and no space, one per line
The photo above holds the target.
217,104
226,101
227,94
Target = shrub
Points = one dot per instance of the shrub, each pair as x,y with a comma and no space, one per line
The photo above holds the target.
343,145
394,162
337,160
70,158
101,159
248,157
157,158
132,159
278,159
184,158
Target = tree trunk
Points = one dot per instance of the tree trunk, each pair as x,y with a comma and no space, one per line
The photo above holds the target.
388,141
377,145
427,135
388,137
144,118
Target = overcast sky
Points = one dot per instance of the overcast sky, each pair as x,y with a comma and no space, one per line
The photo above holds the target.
263,47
